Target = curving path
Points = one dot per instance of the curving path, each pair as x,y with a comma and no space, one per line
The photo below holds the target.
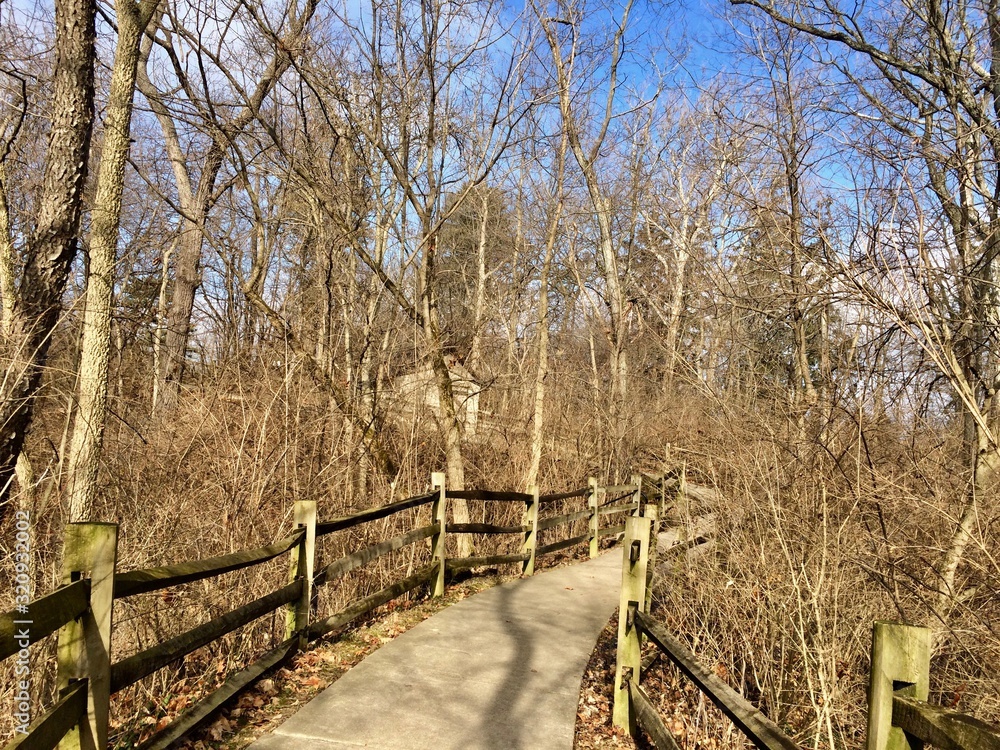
500,670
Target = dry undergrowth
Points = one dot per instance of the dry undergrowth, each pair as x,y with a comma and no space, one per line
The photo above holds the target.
593,714
688,716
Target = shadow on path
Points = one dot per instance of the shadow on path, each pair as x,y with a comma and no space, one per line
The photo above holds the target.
500,670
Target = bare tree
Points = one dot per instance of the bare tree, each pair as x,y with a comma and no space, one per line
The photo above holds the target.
52,244
409,100
556,204
681,218
609,129
195,196
926,73
565,62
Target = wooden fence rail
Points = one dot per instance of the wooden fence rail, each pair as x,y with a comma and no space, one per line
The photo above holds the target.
46,615
553,497
355,560
153,579
132,669
373,514
489,496
50,728
648,719
759,729
80,610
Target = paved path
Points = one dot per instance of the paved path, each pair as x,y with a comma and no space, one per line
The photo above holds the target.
500,670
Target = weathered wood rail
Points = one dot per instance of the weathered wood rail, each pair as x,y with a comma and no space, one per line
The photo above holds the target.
899,717
80,611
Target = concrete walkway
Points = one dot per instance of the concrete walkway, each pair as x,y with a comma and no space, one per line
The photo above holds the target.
500,670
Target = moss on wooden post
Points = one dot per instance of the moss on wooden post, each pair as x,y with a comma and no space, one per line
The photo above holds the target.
439,510
594,498
530,522
635,557
901,657
84,645
303,560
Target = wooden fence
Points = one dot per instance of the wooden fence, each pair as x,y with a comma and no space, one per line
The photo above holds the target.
80,611
899,717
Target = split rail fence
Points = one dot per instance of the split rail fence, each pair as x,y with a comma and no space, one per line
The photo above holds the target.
899,716
80,612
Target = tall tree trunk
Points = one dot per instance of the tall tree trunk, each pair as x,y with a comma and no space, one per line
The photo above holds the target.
160,329
479,309
95,355
8,274
677,290
187,278
53,243
538,420
8,290
196,203
587,161
447,415
986,468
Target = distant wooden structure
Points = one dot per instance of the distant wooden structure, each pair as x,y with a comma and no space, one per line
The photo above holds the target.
416,393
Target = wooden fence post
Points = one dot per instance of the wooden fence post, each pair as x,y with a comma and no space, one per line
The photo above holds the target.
531,532
439,510
652,513
663,496
84,645
594,499
682,496
637,495
901,658
303,560
635,559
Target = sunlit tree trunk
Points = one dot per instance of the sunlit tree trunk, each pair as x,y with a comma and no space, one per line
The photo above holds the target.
95,354
8,290
541,374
